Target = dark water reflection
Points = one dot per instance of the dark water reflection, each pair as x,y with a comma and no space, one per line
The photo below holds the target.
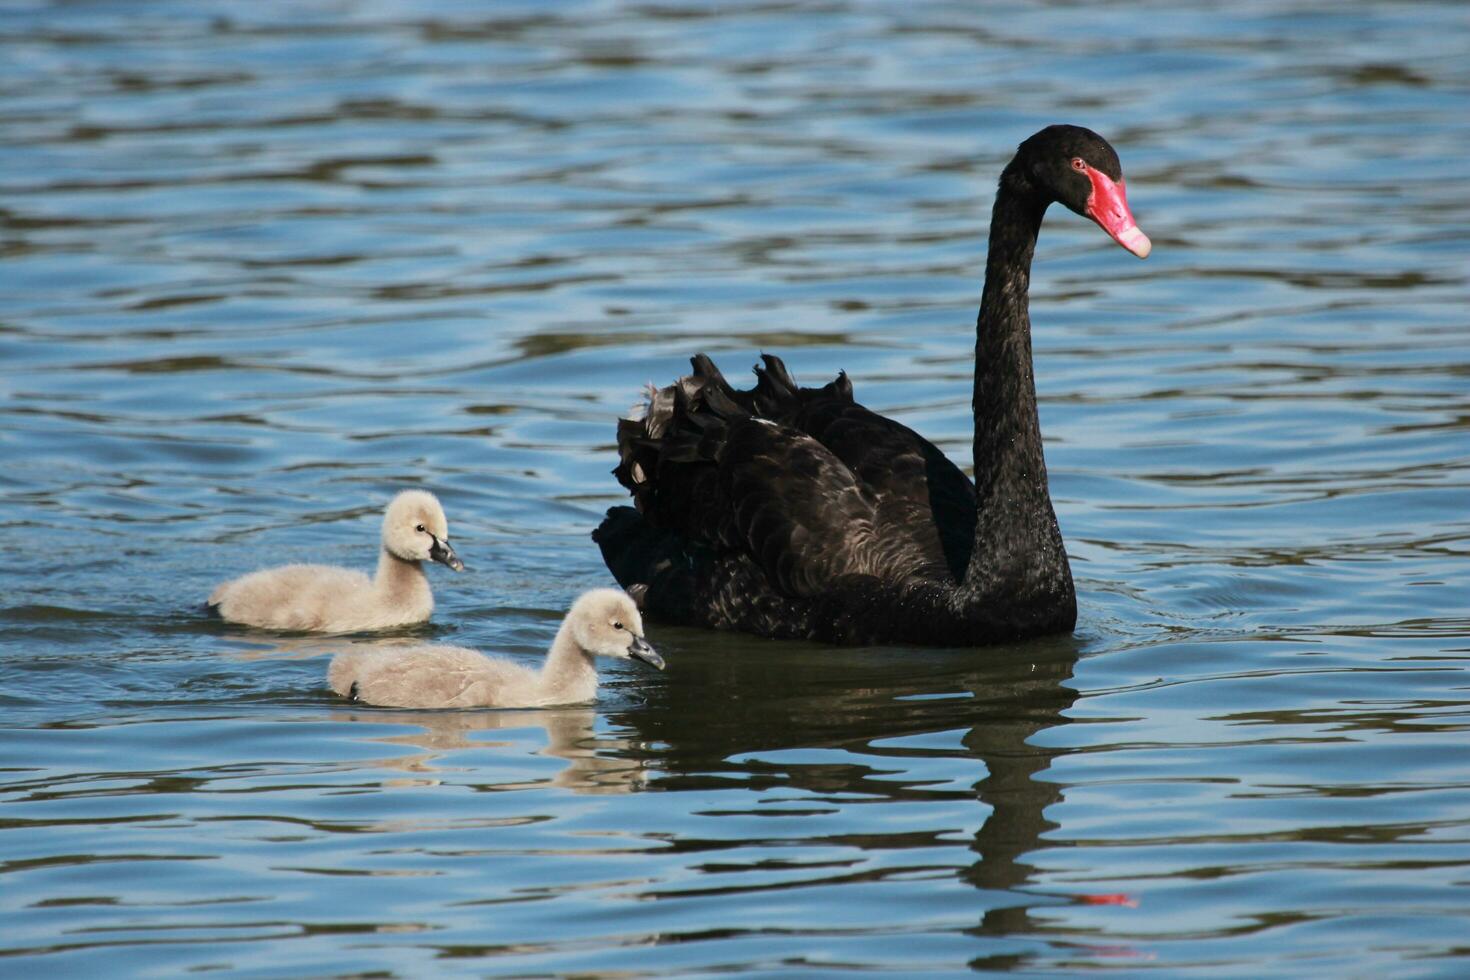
263,266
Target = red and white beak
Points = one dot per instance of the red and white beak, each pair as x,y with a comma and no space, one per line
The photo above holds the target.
1108,206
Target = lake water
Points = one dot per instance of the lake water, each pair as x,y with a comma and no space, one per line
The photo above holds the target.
264,264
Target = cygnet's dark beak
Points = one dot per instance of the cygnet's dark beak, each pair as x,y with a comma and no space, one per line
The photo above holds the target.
444,555
640,650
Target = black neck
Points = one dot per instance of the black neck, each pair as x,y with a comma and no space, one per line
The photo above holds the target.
1019,562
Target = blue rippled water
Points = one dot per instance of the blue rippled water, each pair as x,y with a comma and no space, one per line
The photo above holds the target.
264,264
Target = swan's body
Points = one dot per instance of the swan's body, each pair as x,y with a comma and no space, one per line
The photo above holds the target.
327,599
797,512
603,622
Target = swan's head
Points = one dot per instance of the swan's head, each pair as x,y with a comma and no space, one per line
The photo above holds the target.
1080,168
414,529
605,622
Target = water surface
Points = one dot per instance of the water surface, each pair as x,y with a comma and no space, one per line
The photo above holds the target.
263,265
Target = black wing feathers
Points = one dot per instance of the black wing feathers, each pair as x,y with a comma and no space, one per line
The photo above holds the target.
746,497
796,509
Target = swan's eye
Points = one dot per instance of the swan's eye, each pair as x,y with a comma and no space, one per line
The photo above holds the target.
420,529
1079,165
617,625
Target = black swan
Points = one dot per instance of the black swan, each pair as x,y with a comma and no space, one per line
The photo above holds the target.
796,512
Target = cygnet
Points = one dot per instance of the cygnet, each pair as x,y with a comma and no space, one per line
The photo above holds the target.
327,599
603,622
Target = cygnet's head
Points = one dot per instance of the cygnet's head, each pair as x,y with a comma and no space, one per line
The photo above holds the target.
605,622
415,529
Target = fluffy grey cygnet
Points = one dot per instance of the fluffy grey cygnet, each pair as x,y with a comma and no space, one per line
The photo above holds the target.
603,622
327,599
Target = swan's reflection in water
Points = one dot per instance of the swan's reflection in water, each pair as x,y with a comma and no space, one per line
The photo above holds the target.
595,763
727,707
